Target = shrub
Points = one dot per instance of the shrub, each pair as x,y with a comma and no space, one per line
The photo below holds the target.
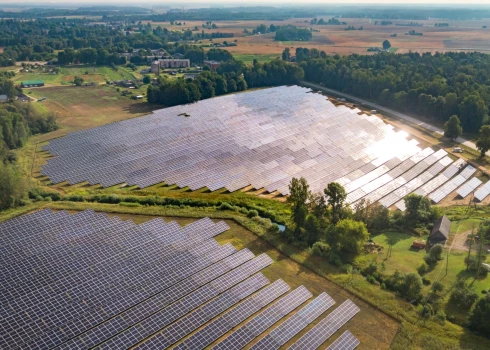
462,296
426,281
130,204
320,249
423,269
37,191
39,198
252,213
225,206
273,229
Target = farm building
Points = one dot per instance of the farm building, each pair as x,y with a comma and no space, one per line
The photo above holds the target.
440,231
31,83
3,98
213,65
169,63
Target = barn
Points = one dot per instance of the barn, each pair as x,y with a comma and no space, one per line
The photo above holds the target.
440,231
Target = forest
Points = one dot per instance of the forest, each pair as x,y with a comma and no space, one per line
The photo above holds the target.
230,77
291,33
434,86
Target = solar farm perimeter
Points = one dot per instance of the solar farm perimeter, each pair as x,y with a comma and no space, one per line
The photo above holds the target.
88,281
262,139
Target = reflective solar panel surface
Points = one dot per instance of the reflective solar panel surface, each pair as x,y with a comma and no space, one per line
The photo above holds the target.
90,281
260,138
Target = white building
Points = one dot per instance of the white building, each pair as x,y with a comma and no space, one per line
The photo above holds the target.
169,63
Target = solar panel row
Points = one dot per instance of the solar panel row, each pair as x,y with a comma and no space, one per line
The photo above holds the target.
91,281
345,342
230,141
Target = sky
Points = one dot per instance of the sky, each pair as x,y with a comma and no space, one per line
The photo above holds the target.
261,2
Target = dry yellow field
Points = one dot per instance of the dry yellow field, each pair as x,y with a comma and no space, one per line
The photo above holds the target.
459,36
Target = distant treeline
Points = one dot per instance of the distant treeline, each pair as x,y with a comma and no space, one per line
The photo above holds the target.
231,76
292,33
436,86
80,40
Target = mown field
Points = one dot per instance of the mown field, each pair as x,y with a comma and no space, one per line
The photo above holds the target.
96,74
84,107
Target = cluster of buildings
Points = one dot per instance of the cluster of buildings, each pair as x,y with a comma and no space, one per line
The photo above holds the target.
179,63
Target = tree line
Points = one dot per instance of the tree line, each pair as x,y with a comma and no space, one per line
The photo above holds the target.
231,76
435,86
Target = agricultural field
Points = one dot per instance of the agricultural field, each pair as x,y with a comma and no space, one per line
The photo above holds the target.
90,74
458,36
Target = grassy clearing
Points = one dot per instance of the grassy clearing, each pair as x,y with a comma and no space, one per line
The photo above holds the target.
249,58
98,74
79,108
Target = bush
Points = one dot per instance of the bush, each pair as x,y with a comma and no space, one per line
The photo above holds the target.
426,281
273,229
423,269
39,198
37,191
225,206
320,249
252,213
462,296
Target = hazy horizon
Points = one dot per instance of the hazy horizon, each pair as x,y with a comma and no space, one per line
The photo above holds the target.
443,3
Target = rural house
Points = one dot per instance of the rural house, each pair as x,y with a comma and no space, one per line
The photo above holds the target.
213,65
440,231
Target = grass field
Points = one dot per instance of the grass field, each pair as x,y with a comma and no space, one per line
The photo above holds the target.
249,58
459,36
85,107
98,74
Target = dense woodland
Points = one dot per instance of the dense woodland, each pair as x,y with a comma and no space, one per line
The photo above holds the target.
435,86
230,77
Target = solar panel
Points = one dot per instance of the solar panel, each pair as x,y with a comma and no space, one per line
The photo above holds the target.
345,342
468,187
483,191
87,281
264,320
293,325
324,329
230,141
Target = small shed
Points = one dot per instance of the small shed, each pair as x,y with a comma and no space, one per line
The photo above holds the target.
3,98
440,231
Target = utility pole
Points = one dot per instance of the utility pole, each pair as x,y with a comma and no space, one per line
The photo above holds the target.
447,261
469,250
479,255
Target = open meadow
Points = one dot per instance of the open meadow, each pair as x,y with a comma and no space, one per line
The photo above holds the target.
66,74
467,35
82,107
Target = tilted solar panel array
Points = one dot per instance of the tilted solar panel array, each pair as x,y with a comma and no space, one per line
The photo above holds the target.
483,191
261,138
436,182
346,341
468,187
85,280
415,183
452,184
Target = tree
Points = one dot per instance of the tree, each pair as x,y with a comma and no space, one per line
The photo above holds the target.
411,288
386,45
472,112
299,193
418,211
435,254
350,236
12,186
478,320
463,296
336,196
146,79
78,81
286,54
483,141
452,128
